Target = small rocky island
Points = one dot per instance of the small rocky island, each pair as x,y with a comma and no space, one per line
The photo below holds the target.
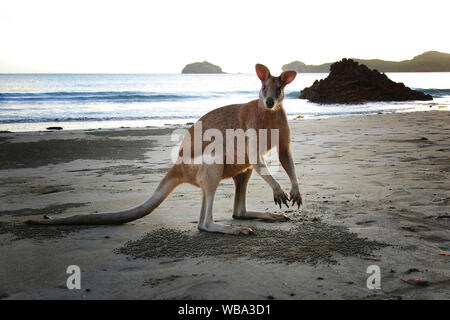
201,67
351,82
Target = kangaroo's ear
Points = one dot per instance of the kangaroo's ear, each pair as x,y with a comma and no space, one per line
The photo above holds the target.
287,77
262,72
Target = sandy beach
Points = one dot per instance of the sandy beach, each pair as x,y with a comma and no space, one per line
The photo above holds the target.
376,191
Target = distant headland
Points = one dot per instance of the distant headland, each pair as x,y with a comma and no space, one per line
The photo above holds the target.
430,61
201,67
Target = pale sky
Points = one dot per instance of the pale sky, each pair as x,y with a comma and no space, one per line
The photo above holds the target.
163,36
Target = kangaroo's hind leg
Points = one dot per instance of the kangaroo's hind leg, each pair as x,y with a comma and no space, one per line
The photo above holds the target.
206,222
240,201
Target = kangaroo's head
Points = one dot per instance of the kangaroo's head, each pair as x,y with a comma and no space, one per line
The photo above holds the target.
272,89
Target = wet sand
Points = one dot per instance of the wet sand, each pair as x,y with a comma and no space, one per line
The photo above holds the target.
373,186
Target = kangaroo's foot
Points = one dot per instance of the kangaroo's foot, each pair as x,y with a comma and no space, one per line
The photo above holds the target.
264,216
221,228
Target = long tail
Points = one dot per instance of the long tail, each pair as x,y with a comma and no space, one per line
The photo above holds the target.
165,187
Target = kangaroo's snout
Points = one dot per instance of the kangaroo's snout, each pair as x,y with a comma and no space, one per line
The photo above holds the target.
270,102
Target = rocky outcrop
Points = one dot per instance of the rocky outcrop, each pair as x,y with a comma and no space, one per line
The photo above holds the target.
201,67
351,82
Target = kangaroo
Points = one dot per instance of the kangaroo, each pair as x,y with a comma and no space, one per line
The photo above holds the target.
264,113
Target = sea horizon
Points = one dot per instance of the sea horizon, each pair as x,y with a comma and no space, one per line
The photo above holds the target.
74,101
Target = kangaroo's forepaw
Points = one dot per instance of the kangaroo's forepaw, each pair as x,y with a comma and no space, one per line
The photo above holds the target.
296,196
280,196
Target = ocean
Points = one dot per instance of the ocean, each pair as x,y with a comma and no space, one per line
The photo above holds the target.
33,102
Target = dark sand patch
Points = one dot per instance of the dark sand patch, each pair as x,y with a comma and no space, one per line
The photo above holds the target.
50,210
129,170
419,140
51,189
123,170
309,242
365,222
436,239
14,180
153,282
41,153
21,231
133,133
3,295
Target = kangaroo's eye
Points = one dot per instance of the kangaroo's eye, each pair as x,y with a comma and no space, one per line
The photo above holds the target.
264,87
